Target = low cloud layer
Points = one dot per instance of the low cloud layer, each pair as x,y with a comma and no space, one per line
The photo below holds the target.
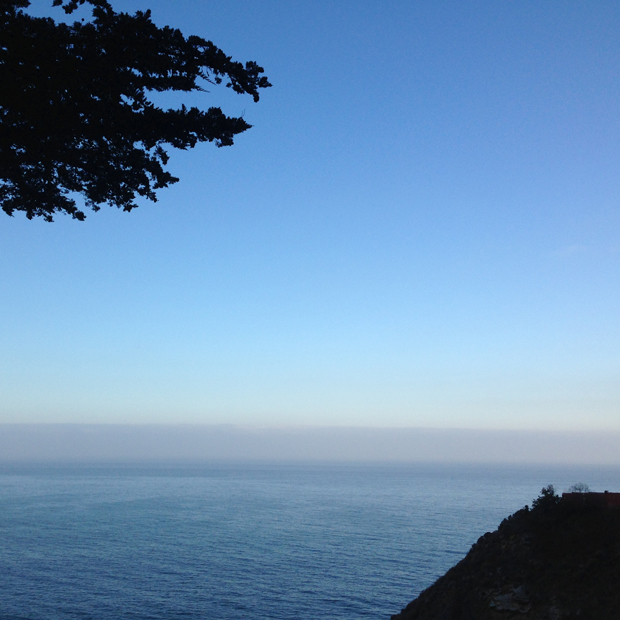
135,443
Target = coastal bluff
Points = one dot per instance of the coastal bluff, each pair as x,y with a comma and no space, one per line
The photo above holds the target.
559,560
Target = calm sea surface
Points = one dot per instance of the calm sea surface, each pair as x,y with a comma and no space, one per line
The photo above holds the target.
221,542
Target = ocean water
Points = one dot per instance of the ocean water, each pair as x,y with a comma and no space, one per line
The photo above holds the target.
231,541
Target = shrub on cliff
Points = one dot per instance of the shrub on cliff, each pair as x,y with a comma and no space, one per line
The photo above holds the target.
547,500
579,487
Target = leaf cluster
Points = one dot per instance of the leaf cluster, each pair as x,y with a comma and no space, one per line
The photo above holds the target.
75,115
579,487
547,500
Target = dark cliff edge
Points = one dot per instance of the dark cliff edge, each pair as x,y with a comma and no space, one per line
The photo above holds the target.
558,561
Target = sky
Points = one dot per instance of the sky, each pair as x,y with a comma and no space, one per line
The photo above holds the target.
420,230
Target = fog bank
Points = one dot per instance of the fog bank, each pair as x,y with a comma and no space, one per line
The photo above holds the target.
132,443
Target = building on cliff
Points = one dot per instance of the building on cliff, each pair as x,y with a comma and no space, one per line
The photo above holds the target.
591,500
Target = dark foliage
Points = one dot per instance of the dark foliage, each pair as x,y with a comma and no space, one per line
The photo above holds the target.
555,561
547,500
74,112
579,487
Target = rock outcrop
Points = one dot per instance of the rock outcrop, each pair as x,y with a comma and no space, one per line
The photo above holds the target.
558,561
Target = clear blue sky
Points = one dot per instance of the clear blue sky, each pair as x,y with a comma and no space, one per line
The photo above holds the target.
421,229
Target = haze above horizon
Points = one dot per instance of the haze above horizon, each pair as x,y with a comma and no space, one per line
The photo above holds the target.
420,230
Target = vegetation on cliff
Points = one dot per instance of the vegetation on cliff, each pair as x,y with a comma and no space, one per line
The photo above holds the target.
559,560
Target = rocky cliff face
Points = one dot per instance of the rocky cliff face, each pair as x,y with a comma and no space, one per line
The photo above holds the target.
558,561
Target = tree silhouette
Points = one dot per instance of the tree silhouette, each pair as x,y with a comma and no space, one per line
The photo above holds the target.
75,117
547,500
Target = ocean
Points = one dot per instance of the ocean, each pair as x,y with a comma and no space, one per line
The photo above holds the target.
262,541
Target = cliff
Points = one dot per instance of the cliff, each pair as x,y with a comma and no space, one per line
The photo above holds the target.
558,561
